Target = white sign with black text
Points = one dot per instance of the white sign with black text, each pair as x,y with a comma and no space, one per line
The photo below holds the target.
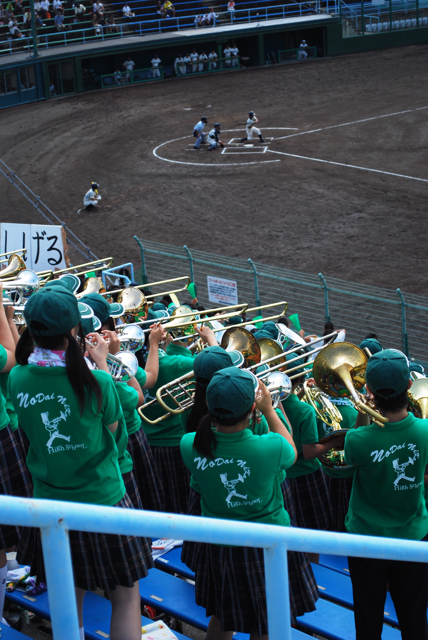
221,291
44,244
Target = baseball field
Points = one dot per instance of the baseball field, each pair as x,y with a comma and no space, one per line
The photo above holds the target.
340,185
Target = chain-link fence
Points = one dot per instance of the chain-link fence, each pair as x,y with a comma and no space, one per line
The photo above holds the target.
26,206
399,319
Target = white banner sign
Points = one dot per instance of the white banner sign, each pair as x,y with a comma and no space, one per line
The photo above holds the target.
45,244
224,292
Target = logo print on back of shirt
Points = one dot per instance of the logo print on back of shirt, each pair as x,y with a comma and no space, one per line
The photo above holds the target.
52,427
400,469
230,485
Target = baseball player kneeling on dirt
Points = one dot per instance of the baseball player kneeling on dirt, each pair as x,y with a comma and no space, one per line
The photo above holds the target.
250,128
213,138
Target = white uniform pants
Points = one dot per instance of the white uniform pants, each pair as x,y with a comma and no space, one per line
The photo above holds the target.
249,132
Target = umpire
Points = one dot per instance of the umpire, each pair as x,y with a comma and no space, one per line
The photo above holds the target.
198,132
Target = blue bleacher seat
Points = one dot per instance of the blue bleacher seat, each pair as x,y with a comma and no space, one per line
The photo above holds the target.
7,633
337,563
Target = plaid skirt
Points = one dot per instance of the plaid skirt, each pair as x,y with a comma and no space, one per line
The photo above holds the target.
132,490
145,472
288,501
15,480
100,560
190,550
311,501
339,490
175,478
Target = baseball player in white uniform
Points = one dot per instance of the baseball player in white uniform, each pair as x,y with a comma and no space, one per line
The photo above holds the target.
235,52
198,132
194,58
202,60
250,128
227,53
213,138
156,61
92,198
213,60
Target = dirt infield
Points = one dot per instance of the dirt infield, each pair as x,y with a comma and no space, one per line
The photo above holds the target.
343,200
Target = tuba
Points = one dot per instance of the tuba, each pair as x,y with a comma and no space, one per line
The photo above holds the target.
418,398
239,339
339,370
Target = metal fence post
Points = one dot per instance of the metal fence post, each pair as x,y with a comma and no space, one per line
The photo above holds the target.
189,255
404,334
143,261
256,282
326,290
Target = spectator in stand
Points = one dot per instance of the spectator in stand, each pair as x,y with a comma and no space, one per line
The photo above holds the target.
13,28
46,8
168,9
79,11
231,8
213,60
111,26
2,14
39,21
27,19
17,7
126,10
97,26
194,59
98,9
57,6
159,8
202,61
129,66
198,21
59,21
209,18
303,53
156,61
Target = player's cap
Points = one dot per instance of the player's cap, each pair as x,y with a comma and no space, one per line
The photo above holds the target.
251,114
52,312
94,185
387,373
373,345
208,362
217,124
204,119
102,309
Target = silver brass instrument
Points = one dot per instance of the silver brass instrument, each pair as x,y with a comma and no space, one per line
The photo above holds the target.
122,366
279,386
24,286
132,338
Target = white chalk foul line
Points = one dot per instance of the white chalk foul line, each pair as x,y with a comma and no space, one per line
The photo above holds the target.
351,166
212,164
347,124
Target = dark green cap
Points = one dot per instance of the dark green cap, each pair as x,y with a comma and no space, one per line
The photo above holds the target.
102,309
387,373
209,361
69,281
231,393
373,345
414,366
271,328
233,320
89,325
158,306
262,334
51,312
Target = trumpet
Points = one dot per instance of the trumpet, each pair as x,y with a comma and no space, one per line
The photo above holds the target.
122,366
339,370
132,338
279,386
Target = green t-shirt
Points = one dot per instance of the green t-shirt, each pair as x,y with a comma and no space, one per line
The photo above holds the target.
387,496
13,420
240,483
71,456
174,363
141,377
4,417
304,424
349,415
128,397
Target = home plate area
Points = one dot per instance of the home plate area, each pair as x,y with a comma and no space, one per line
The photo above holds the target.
236,147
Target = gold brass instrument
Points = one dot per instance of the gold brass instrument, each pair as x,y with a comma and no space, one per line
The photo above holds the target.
339,370
14,266
149,285
275,362
95,265
92,285
271,348
239,339
135,303
19,252
179,393
418,398
326,411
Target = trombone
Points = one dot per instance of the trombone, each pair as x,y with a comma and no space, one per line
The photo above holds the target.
103,263
179,391
14,266
153,284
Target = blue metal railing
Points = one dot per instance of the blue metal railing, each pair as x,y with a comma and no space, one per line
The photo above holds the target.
56,519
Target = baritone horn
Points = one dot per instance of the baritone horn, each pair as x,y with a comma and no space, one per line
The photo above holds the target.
339,370
418,398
